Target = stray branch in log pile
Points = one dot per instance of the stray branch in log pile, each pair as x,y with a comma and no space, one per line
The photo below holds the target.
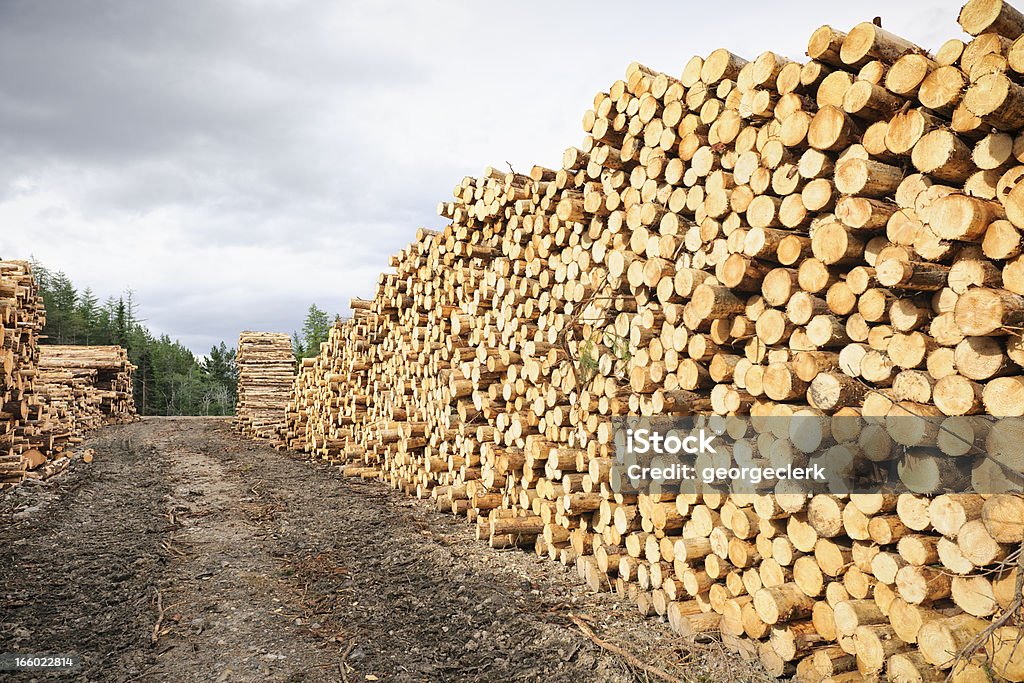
616,650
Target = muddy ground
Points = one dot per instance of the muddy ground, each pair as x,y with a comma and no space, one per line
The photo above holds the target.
185,553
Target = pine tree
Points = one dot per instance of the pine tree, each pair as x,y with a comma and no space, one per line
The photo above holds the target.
60,298
88,314
41,274
315,330
105,324
120,324
220,376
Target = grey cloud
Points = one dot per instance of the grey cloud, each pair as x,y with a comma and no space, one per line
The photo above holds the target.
233,161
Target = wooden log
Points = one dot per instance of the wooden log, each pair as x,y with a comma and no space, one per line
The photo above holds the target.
867,40
994,16
982,312
996,100
940,640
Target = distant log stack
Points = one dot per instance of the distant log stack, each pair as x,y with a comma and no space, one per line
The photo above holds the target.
266,370
760,238
68,408
330,394
108,370
80,389
51,395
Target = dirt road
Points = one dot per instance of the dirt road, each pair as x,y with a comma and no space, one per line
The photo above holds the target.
184,553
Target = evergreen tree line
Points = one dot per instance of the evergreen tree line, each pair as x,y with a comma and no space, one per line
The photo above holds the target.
169,379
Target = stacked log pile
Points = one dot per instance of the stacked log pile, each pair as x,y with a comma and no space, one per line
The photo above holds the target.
266,369
330,395
21,321
67,405
80,389
50,395
760,238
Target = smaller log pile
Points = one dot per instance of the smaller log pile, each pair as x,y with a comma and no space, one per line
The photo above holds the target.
331,392
21,320
68,406
107,366
266,369
50,395
81,388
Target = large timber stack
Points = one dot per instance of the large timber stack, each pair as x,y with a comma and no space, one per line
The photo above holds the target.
266,370
766,237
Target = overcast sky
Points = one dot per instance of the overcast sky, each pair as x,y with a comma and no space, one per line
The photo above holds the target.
233,162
